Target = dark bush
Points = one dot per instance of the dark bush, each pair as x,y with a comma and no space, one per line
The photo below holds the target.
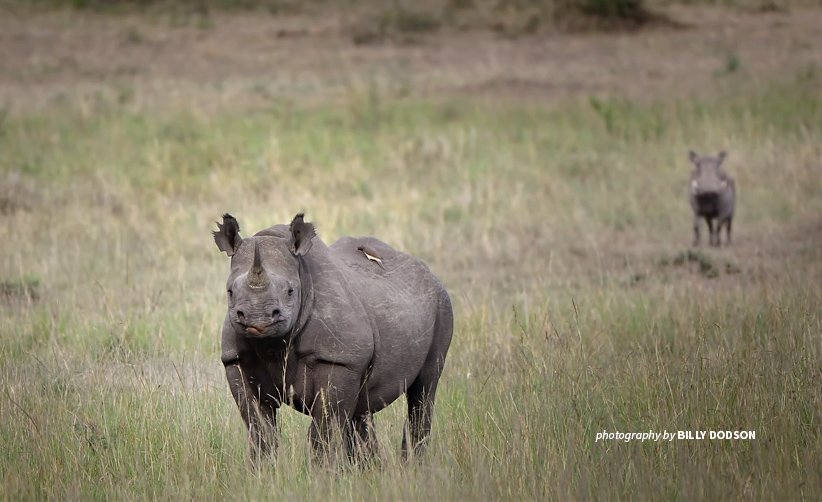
613,9
604,14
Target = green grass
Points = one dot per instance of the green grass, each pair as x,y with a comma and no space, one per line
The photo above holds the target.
559,232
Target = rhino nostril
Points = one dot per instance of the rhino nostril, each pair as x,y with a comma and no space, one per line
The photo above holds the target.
241,315
276,313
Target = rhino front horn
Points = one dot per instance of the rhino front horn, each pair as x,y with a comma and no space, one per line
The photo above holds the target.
257,277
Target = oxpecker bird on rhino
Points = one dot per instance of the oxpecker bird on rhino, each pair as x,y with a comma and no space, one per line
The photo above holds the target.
331,332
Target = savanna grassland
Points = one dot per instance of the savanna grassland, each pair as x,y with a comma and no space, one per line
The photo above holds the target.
542,176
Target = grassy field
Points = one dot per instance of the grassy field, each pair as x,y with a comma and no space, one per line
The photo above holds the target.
542,179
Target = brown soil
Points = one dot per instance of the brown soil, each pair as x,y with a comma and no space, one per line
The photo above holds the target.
251,54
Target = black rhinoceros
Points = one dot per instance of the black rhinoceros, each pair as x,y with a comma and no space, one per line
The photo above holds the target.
337,332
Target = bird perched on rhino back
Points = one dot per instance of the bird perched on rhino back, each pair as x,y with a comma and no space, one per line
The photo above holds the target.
320,329
712,194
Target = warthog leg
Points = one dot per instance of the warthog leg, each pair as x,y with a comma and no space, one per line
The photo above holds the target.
713,233
728,227
697,223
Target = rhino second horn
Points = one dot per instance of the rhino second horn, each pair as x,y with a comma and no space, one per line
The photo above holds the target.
257,277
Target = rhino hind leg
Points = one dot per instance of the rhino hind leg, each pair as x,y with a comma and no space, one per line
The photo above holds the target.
421,394
418,424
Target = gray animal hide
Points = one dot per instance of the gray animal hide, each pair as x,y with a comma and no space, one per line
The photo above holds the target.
337,332
712,195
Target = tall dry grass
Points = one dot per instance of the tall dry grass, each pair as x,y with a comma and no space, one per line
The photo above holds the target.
561,232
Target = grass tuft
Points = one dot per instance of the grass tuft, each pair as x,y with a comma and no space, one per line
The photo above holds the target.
24,288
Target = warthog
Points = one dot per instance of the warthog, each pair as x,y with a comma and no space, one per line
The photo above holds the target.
337,333
712,194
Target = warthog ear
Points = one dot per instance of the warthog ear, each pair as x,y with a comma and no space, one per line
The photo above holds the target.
301,234
721,156
692,155
228,237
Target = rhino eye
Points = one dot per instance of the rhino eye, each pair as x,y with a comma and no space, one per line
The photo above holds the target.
230,294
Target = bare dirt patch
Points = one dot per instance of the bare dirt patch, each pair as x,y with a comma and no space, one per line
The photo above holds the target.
246,58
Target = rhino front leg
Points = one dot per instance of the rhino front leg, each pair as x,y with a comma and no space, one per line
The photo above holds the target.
365,446
328,435
332,430
728,223
259,414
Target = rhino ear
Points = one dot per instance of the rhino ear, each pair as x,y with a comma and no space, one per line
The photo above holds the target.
228,237
692,155
301,234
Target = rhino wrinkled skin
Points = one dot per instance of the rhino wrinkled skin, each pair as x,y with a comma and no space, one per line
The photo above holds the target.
336,332
712,194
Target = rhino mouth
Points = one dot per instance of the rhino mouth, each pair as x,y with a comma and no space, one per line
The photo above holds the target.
268,329
252,330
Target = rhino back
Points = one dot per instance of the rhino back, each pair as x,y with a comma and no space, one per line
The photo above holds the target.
399,280
401,298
